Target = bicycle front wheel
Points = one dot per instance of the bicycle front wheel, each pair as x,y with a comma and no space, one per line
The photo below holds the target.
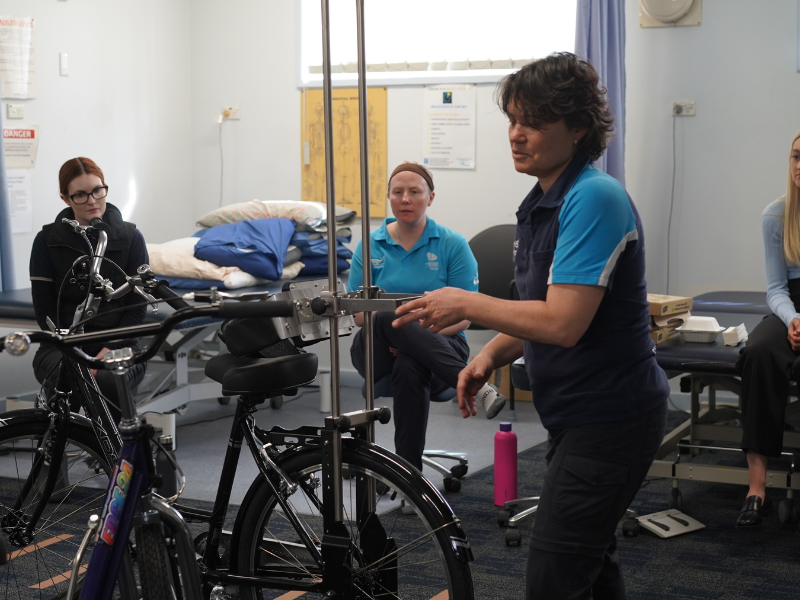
39,566
155,572
408,549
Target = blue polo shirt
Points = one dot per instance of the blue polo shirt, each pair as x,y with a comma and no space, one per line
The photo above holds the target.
586,230
440,258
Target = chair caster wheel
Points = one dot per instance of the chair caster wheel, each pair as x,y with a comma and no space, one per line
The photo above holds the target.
451,484
630,527
675,499
224,400
787,513
276,402
459,471
503,515
513,536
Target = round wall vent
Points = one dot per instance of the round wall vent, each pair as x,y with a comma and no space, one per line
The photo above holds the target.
666,11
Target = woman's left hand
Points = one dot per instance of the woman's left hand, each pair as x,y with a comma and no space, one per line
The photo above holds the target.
435,310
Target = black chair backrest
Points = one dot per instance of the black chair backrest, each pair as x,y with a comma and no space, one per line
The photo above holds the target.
494,250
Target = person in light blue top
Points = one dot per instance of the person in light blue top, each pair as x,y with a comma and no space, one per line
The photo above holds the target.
770,358
413,254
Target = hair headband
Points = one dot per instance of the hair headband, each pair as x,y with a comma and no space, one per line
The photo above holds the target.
414,168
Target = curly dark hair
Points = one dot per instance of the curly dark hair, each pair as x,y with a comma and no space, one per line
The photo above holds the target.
561,86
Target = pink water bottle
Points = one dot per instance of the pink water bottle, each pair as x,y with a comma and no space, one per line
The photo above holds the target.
505,465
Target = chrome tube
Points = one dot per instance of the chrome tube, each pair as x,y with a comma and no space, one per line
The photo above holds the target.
363,130
331,203
332,257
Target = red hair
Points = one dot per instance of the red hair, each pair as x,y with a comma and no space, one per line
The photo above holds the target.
75,167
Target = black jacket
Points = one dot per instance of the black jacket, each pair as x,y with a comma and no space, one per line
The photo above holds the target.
54,252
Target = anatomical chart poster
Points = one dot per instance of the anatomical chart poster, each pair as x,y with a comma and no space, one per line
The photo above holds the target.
17,58
448,127
346,148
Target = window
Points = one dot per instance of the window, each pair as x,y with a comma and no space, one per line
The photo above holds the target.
424,41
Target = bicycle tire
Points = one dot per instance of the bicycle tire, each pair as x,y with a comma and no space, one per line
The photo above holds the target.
264,543
155,570
41,569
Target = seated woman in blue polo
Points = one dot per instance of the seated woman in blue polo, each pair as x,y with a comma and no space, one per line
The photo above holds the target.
412,254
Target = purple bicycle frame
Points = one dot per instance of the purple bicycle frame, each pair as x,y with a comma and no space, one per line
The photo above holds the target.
130,479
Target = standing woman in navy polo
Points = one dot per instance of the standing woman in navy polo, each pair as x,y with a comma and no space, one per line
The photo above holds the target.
767,362
582,325
412,254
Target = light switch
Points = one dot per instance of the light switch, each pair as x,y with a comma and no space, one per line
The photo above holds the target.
15,111
63,64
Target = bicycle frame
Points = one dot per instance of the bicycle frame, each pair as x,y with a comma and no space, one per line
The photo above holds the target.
131,481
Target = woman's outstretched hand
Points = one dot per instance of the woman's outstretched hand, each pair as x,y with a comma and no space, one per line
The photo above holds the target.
435,310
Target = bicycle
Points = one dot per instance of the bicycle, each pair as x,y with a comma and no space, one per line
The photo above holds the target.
288,533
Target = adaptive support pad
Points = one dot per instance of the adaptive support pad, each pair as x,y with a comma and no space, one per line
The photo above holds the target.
257,375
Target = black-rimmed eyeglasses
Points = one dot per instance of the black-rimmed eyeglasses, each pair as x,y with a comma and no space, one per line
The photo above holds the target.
97,193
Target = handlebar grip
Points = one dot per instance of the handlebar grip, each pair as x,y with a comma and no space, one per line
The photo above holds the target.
264,308
162,291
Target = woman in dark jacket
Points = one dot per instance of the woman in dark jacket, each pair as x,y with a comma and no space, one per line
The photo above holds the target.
59,285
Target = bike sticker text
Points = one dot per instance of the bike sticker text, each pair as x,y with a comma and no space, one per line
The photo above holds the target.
116,500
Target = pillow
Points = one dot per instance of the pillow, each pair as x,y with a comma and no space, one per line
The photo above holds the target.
176,259
233,281
309,216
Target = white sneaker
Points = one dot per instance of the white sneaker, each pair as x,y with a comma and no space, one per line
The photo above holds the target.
491,400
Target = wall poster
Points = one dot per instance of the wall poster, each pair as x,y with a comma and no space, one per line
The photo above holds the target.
346,148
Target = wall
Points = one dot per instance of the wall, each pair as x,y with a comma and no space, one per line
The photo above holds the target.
740,66
124,104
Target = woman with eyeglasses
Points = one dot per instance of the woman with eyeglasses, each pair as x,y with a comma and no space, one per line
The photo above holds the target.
59,283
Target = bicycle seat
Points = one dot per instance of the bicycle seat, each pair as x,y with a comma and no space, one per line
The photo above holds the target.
258,375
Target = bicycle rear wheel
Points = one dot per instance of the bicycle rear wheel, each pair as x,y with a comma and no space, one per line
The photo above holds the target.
416,559
40,568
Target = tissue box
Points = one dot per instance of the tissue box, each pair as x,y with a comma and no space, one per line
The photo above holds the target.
661,305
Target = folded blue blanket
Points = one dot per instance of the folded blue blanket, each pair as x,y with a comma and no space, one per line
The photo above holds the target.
318,265
256,247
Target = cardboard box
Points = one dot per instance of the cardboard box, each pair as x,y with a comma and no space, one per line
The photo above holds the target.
501,380
661,305
662,334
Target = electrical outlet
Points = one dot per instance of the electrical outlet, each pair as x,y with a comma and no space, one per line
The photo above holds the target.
15,111
684,108
231,112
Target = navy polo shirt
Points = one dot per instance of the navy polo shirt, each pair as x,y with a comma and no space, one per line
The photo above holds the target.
586,230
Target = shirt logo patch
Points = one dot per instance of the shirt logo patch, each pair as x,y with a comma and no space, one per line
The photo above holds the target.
475,281
377,263
516,246
432,256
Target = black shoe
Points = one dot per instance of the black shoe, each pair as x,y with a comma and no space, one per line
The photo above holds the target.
754,511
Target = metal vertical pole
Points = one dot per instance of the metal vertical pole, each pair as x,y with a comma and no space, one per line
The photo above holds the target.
363,129
336,490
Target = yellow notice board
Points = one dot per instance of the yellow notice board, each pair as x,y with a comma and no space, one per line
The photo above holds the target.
346,153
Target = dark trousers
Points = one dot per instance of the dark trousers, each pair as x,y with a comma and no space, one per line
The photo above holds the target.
593,474
765,365
46,365
426,362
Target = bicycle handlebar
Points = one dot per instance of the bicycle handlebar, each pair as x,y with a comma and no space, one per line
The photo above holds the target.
18,343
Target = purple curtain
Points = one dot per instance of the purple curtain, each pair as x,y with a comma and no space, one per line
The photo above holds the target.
600,39
7,280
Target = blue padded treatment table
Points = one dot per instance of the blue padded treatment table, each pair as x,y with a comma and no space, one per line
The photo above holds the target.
707,368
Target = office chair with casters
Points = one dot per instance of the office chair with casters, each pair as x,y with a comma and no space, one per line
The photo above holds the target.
493,248
453,475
